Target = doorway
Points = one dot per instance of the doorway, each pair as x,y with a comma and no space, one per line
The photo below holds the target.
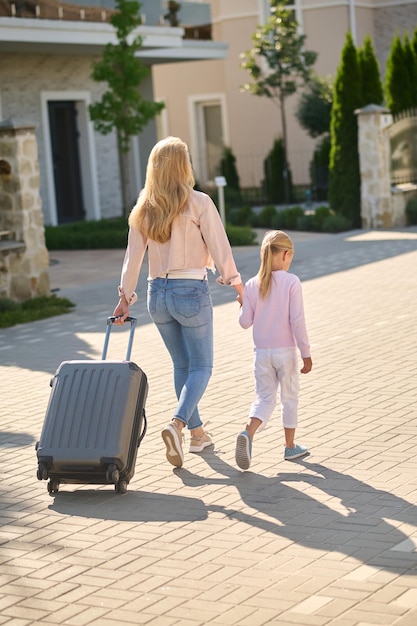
64,136
209,139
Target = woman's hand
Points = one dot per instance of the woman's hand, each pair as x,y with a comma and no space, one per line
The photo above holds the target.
121,312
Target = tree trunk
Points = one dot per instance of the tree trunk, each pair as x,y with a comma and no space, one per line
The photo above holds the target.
284,142
124,177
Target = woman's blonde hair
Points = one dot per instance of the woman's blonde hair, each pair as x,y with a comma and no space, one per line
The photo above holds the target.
273,242
169,182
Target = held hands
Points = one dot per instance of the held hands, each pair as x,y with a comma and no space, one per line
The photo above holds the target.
239,289
121,311
308,364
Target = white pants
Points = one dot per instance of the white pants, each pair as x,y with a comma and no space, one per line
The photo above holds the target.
273,368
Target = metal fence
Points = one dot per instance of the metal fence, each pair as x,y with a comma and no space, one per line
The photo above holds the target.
194,17
250,168
403,142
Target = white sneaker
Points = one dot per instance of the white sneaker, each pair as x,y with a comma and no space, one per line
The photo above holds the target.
197,444
173,437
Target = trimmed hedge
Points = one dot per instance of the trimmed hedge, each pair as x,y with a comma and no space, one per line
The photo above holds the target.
12,313
112,233
99,234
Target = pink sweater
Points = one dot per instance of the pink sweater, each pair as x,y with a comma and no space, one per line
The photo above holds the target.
198,241
278,321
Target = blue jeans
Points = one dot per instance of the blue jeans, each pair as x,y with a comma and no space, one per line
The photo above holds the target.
183,313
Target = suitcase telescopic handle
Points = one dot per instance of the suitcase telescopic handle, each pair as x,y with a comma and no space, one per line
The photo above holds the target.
110,322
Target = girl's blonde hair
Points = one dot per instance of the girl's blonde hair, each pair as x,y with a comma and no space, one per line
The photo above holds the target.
273,242
169,182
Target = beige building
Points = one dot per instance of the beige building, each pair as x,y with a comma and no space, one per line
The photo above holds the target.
47,50
204,104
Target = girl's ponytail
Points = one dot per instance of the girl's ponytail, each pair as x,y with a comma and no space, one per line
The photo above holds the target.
274,241
265,271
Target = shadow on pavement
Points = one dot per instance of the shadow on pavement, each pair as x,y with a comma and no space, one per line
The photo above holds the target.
15,440
349,516
353,523
134,506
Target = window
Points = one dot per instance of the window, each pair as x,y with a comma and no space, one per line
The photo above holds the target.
292,5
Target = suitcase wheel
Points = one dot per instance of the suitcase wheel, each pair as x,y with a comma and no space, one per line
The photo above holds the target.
121,486
42,472
53,486
112,474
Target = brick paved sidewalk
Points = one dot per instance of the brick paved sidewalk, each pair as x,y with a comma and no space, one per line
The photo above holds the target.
326,541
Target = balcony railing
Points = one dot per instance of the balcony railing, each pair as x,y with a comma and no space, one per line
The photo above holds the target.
194,17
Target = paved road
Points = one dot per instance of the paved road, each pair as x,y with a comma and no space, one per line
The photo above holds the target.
329,540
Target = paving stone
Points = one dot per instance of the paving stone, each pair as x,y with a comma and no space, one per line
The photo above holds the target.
328,540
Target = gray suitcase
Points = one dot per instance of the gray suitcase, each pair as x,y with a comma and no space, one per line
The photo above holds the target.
94,422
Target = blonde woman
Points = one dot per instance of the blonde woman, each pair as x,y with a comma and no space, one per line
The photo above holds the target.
184,235
273,306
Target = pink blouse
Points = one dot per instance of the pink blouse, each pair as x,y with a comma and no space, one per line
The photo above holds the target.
198,241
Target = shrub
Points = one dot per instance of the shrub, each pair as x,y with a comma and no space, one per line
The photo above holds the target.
241,235
336,224
287,219
320,215
12,313
305,222
411,211
7,305
266,217
240,217
99,234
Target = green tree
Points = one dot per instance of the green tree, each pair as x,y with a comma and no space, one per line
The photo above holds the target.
122,106
411,63
344,187
277,182
278,65
397,79
414,42
319,168
315,105
229,170
313,113
372,90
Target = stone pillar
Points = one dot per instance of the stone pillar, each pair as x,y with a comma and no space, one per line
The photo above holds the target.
374,159
24,259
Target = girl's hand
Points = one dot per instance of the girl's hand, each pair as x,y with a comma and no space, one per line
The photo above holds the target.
239,288
308,364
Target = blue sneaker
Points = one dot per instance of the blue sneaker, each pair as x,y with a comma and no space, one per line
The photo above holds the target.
291,454
243,452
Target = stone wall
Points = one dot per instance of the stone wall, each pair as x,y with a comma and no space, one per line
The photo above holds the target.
24,259
382,204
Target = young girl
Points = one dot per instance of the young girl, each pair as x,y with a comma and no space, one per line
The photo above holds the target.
273,305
